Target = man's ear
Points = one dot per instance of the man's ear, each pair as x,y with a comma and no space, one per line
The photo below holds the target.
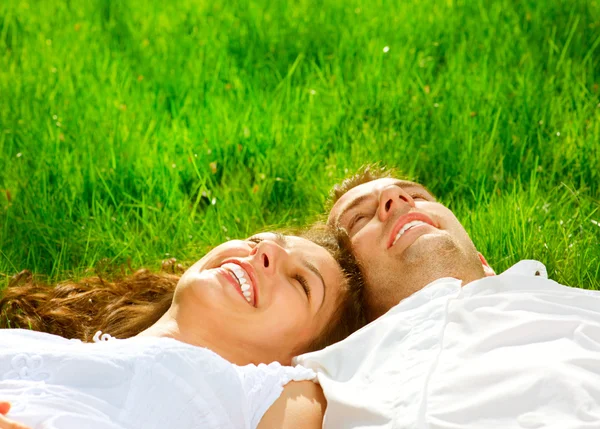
487,270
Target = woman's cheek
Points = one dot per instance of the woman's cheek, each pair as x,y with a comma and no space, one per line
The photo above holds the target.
291,321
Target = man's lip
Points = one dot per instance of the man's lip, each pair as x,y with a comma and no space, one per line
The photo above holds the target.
251,273
403,220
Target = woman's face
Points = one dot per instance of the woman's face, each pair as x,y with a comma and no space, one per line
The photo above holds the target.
259,300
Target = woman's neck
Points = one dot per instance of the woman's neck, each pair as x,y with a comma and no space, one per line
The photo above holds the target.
168,326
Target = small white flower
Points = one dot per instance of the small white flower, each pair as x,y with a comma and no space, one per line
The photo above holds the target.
386,49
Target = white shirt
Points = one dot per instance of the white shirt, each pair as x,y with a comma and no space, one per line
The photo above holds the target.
512,351
141,382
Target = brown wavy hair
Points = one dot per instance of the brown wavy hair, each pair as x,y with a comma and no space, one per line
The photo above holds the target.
125,305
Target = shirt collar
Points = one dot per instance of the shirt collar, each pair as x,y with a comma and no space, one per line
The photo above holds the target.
528,267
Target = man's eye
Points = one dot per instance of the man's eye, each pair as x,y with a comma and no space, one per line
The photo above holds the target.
355,220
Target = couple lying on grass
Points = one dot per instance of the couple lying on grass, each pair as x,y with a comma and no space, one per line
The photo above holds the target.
237,341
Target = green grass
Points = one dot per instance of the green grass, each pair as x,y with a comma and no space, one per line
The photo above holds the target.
135,130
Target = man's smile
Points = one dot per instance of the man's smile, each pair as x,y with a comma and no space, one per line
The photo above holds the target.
406,223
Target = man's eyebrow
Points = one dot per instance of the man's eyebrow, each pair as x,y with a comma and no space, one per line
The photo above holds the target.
357,202
408,184
315,270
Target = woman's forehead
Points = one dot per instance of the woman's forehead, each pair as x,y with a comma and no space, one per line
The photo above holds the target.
293,242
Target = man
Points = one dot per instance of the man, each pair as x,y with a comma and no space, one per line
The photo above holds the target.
452,345
403,237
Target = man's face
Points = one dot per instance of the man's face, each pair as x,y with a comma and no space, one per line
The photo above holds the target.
404,240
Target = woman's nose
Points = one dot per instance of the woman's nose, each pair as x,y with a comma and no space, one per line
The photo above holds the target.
390,199
267,256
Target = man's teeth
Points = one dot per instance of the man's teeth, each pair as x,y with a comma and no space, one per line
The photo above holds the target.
406,227
240,276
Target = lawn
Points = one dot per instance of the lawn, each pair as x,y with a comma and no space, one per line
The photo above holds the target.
134,131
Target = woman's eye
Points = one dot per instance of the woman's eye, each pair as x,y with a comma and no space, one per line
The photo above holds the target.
302,280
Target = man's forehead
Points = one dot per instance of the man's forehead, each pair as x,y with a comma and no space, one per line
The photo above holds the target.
363,191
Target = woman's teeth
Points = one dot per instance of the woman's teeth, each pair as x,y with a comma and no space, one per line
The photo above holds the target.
406,227
241,277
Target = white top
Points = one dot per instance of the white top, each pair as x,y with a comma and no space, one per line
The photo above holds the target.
142,382
511,351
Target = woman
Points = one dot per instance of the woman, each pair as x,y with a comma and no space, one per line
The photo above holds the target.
201,362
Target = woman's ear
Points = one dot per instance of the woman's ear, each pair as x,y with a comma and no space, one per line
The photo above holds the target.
487,270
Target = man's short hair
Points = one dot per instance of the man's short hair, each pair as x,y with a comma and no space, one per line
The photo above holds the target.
367,173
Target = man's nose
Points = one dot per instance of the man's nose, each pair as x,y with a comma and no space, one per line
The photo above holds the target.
392,198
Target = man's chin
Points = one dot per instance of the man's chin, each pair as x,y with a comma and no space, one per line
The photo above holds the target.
429,248
436,256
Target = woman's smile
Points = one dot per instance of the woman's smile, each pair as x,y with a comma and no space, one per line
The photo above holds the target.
242,282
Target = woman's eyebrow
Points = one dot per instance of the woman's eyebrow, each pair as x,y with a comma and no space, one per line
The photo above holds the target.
281,239
316,271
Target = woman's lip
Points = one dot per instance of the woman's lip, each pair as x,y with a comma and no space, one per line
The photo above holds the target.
403,220
231,279
249,269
